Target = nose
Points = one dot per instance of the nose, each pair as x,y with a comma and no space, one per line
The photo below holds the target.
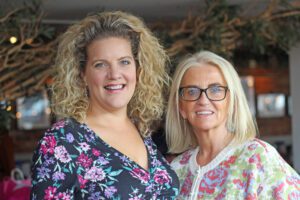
114,72
203,98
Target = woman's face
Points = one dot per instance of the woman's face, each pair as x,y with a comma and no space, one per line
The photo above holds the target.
204,114
110,73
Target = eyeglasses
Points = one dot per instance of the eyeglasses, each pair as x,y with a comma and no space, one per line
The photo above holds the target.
193,93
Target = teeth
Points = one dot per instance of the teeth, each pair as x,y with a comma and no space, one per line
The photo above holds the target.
204,113
114,87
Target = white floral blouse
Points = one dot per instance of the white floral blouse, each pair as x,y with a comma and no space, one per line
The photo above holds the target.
250,171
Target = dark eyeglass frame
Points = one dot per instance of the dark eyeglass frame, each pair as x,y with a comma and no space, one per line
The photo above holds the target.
203,90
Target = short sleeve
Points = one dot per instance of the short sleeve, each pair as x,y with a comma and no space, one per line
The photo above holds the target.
53,170
280,180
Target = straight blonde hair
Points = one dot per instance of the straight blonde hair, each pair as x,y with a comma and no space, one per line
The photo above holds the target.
240,122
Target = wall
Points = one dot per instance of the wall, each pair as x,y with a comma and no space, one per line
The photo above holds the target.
271,80
295,93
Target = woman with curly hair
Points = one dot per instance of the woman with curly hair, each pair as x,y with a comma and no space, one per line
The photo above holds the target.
109,85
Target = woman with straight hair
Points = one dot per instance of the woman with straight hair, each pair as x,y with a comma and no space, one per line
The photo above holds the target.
209,121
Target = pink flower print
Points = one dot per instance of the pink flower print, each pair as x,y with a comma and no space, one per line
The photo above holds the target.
261,143
187,184
84,160
213,179
110,191
95,174
293,180
81,181
84,146
161,176
238,183
294,195
140,174
50,193
249,184
59,124
61,154
221,195
96,152
255,159
63,196
230,161
185,158
278,190
252,147
48,145
251,197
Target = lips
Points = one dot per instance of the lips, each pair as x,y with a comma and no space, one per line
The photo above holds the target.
114,87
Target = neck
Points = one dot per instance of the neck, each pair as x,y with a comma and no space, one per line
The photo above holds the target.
211,143
97,115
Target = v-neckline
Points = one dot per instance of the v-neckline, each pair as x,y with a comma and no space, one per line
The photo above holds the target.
114,150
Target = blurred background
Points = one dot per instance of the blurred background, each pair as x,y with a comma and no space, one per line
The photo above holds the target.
261,38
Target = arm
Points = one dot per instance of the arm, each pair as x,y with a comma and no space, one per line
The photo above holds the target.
281,181
53,170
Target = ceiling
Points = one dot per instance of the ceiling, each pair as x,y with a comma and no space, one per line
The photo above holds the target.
150,10
68,11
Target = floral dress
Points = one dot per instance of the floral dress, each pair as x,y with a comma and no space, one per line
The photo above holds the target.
253,170
72,162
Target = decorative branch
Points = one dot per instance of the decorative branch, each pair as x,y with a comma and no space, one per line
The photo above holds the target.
25,65
223,29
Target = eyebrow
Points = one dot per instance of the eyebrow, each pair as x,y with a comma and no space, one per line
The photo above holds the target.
124,57
104,60
210,85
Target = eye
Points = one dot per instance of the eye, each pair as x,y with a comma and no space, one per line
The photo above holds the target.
215,89
125,62
192,91
99,64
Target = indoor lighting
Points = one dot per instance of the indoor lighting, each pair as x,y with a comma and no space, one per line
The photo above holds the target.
13,39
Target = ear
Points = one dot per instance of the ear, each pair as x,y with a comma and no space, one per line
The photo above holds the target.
182,111
82,75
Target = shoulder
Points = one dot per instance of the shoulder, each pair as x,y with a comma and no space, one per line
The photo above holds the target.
183,165
182,160
263,155
58,130
259,146
276,175
63,133
257,150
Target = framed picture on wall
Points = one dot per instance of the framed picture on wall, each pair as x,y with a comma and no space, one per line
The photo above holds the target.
33,112
248,86
271,105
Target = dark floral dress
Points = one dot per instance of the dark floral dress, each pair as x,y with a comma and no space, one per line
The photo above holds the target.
72,162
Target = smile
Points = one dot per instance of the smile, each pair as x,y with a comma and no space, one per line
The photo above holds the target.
114,87
204,113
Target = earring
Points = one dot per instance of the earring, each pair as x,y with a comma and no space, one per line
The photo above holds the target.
87,93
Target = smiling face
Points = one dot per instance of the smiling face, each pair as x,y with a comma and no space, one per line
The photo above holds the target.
204,114
110,73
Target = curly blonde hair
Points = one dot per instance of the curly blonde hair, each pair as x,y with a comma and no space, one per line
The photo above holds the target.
69,97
